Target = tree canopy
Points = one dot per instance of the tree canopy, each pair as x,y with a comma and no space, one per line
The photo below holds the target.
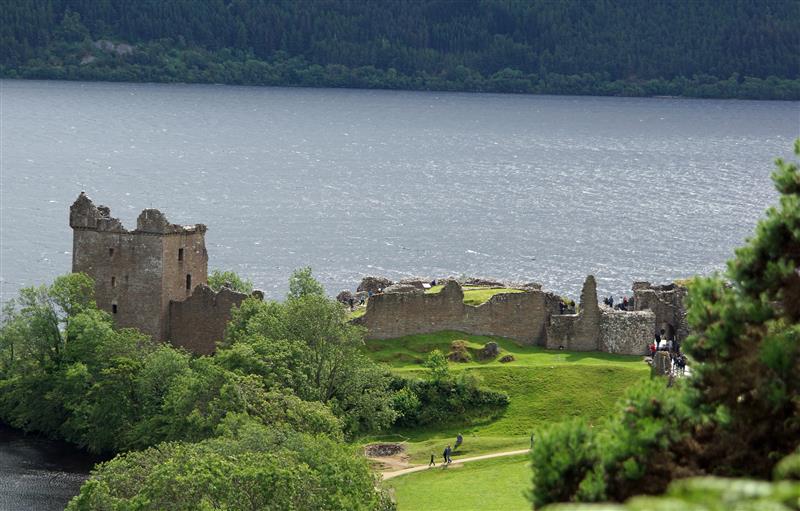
706,48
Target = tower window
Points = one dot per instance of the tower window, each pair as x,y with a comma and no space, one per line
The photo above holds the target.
180,254
113,308
113,281
110,252
188,281
126,279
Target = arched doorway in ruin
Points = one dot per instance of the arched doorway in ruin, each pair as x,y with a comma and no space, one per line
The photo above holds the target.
667,331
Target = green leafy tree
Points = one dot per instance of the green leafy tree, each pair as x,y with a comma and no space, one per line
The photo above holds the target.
250,468
33,341
747,341
302,283
437,366
318,354
562,457
219,279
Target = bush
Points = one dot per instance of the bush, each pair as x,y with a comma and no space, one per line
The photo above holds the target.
251,468
747,342
424,402
643,445
562,456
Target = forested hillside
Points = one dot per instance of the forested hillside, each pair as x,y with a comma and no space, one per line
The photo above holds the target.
706,48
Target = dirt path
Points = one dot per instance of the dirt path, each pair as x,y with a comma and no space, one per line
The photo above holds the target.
419,468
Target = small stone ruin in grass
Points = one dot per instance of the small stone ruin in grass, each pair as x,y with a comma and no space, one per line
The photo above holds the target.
490,350
383,450
345,296
507,358
459,352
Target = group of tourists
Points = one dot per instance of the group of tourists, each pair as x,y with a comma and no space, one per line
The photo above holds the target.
673,347
447,452
361,298
625,305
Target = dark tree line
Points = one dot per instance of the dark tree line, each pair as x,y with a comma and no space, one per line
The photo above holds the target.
631,47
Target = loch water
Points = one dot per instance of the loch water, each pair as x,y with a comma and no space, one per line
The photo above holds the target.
37,474
357,182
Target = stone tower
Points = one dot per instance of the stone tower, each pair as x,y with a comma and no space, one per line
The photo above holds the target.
137,273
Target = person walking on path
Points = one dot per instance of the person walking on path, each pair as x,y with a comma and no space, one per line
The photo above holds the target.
446,455
433,462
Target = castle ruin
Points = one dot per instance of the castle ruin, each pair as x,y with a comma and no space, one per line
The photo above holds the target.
146,278
520,316
531,317
154,278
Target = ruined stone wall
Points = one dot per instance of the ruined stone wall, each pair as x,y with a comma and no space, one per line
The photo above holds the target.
519,316
134,271
668,303
198,322
625,333
581,331
193,262
126,267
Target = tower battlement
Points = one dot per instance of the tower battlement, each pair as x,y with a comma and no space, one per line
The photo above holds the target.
137,272
83,214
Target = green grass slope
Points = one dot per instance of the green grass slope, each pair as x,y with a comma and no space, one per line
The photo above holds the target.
409,353
494,484
544,387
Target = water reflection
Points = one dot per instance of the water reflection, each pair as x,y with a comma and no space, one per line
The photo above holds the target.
37,473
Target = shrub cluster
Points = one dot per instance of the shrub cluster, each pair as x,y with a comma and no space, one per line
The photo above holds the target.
248,468
420,402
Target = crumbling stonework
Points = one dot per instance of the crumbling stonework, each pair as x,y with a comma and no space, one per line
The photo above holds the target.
417,282
530,317
344,296
403,288
661,364
199,322
668,303
374,284
153,278
519,316
581,331
137,273
625,333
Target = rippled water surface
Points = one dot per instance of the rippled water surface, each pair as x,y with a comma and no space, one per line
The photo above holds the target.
356,182
38,474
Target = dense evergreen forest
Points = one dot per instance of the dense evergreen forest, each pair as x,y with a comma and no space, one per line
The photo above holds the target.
701,48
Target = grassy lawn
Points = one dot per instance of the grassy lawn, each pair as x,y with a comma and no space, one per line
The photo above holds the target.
408,353
544,387
358,312
475,295
495,484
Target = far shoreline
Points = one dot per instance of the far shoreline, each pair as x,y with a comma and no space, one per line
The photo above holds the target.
398,90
